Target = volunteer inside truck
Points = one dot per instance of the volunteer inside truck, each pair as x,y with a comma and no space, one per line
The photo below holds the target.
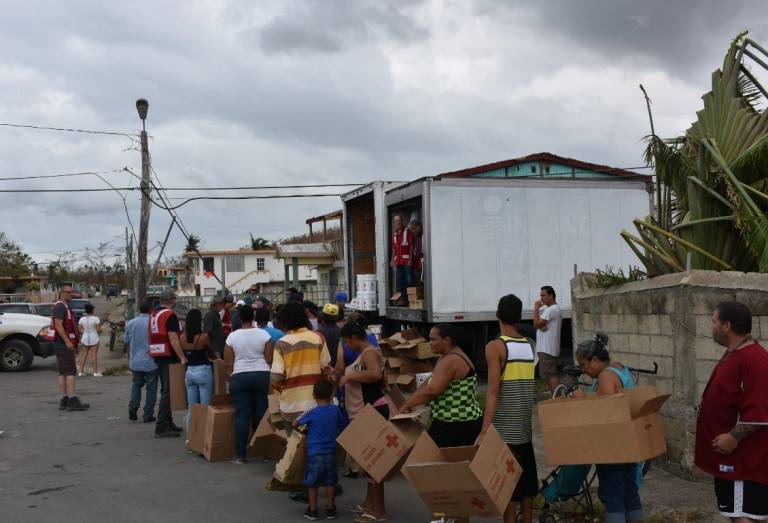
619,484
457,418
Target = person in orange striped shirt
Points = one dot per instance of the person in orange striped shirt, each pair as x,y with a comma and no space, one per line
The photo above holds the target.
299,359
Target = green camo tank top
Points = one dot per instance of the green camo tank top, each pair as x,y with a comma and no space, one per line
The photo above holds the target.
459,401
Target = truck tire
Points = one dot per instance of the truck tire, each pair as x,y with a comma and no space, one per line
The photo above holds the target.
15,356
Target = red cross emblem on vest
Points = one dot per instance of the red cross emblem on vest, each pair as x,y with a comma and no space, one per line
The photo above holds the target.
392,441
478,503
510,466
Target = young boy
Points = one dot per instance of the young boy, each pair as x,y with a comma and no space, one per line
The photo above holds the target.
325,423
509,403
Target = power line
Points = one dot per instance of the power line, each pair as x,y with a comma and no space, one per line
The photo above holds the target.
65,129
249,197
64,175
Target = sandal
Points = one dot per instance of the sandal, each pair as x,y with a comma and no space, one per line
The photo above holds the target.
370,518
358,509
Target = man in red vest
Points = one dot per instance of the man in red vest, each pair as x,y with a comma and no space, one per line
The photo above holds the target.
65,339
165,347
732,426
402,259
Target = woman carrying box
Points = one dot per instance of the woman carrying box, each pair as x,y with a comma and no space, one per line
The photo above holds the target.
618,483
365,385
457,418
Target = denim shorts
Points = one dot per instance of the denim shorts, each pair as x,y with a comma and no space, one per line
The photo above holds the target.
320,470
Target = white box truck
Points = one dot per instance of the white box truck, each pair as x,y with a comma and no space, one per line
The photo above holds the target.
484,238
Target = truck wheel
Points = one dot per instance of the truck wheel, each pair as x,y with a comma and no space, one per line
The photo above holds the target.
15,356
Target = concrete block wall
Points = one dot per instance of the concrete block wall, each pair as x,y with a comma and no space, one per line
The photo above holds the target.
666,320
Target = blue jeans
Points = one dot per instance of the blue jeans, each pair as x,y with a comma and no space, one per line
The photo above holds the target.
618,490
139,380
248,391
404,280
199,382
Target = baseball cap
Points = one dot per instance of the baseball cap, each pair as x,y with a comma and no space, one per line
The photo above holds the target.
240,303
331,309
341,296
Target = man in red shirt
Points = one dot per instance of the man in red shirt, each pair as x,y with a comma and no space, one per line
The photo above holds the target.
731,430
402,259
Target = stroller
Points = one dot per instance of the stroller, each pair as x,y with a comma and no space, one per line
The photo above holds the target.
566,493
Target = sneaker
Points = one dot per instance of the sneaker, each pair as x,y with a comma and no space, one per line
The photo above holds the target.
330,513
97,374
238,461
311,515
64,403
167,434
75,404
150,419
176,428
132,415
80,374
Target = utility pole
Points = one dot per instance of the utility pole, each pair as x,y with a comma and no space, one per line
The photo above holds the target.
140,281
127,261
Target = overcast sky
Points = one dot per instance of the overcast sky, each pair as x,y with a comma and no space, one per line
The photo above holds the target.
336,91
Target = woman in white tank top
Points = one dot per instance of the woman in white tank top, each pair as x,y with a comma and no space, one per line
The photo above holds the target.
90,328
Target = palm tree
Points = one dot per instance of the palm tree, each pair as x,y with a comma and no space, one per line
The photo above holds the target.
712,192
259,243
193,243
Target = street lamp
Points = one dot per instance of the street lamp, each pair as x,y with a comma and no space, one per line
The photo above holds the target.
140,283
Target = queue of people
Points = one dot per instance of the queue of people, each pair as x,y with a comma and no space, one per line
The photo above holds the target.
326,373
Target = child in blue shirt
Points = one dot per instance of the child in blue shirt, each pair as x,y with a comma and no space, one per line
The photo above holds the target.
325,422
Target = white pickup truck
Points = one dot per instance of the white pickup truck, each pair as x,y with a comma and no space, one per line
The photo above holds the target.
22,337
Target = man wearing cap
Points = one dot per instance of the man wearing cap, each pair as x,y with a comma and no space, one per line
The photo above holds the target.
341,300
165,347
329,329
213,326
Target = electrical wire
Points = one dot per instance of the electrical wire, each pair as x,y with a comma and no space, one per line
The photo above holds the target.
68,130
249,197
64,175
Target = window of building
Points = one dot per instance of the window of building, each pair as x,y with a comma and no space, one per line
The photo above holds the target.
196,264
208,264
260,264
209,291
235,263
533,169
546,169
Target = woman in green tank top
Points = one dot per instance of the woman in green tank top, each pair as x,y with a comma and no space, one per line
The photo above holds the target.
451,391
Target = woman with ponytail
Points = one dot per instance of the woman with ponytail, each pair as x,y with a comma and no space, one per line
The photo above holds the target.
619,484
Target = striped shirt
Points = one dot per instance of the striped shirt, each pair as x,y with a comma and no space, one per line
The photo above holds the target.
515,408
299,357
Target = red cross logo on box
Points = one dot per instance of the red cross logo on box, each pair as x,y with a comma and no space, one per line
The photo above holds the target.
478,503
392,441
510,466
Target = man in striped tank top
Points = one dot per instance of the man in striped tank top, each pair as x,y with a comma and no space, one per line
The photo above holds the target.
509,404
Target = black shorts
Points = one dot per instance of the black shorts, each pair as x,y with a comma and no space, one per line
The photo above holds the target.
455,433
66,361
741,499
528,486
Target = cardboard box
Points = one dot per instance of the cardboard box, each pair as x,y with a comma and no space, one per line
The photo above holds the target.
219,440
415,293
290,469
422,351
219,377
406,382
267,440
403,336
463,481
621,428
414,367
379,446
177,373
411,344
197,422
416,304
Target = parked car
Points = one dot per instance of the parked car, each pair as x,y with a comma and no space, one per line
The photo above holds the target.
19,308
44,309
78,306
22,337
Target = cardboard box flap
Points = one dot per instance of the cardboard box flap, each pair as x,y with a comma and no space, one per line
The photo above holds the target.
395,339
439,476
459,454
584,411
404,379
410,344
396,395
425,450
394,363
651,406
415,413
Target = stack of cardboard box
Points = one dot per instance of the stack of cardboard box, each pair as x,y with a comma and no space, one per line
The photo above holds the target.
416,297
408,357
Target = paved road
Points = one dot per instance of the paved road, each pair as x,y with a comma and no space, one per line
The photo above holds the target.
98,466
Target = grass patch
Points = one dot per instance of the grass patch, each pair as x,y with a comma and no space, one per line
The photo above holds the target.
673,516
610,276
118,370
